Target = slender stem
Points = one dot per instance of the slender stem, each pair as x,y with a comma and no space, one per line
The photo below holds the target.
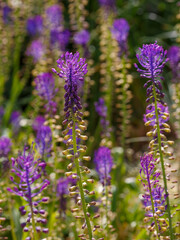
106,207
152,202
162,165
11,220
80,179
34,233
124,109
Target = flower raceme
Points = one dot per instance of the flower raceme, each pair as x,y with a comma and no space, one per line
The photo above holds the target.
152,59
72,70
27,172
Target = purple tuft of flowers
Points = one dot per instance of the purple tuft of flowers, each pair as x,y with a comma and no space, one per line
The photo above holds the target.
103,163
120,31
44,140
72,71
5,146
38,122
54,15
28,171
82,37
174,60
35,25
36,50
45,86
152,58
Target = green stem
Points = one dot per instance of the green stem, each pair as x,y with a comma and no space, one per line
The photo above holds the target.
162,165
152,203
124,109
12,221
34,234
80,179
106,192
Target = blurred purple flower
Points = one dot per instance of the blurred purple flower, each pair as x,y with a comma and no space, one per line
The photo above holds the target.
38,122
82,37
54,15
103,163
44,140
63,190
5,146
174,59
1,113
35,25
61,38
101,110
15,121
6,14
107,3
36,50
72,70
27,169
45,86
120,31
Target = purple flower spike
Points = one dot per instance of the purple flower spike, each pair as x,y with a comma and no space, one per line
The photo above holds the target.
72,71
7,14
107,3
44,140
174,59
45,86
61,38
62,191
28,171
82,37
38,122
5,146
54,15
120,31
152,58
101,109
103,162
35,25
35,50
15,121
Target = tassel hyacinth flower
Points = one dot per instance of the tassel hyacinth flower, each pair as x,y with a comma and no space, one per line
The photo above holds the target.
152,58
72,70
27,171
